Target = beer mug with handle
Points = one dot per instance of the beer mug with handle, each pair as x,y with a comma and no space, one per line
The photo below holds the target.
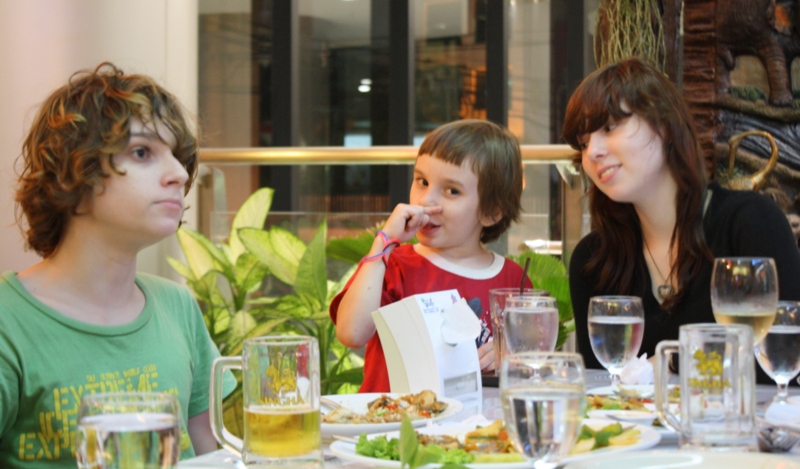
717,387
281,402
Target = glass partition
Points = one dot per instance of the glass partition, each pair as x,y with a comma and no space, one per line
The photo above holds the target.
532,232
330,51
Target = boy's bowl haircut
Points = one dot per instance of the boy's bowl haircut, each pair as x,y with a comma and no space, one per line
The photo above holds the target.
494,156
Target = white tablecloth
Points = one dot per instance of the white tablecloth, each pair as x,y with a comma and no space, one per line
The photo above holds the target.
490,407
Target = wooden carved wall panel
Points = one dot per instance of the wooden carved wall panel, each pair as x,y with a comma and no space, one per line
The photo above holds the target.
723,42
699,63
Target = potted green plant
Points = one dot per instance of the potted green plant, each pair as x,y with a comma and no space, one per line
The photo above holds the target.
227,279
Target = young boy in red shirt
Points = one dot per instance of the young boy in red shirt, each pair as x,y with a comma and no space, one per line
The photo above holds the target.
466,192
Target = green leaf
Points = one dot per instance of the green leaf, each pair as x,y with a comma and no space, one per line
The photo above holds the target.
331,385
312,279
206,289
408,444
240,325
350,249
198,258
294,306
249,272
277,248
219,261
559,289
424,457
264,328
182,269
542,265
252,214
217,320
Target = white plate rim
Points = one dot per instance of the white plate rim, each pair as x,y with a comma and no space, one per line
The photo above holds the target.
611,390
641,416
674,458
454,406
649,437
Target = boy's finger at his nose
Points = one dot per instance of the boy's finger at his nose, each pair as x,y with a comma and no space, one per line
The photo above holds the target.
432,209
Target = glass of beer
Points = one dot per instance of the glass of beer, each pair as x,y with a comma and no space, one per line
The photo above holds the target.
281,402
123,430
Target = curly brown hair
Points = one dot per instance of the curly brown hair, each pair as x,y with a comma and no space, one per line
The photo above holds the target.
79,126
494,156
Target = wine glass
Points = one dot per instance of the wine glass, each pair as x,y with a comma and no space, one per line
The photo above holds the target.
128,430
531,324
779,352
542,394
744,290
616,328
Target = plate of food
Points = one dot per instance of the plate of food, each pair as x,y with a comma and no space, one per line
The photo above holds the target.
628,408
487,446
382,412
645,393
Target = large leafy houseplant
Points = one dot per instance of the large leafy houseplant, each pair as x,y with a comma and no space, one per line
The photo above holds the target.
228,279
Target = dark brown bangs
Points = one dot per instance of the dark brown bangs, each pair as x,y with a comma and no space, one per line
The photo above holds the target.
596,101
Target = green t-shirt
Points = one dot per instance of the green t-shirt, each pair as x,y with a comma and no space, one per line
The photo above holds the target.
48,361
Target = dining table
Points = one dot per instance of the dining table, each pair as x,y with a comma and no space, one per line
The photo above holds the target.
490,407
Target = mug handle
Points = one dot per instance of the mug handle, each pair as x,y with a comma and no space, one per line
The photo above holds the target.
664,351
215,404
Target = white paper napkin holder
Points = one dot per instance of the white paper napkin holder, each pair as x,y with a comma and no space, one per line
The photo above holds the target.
417,355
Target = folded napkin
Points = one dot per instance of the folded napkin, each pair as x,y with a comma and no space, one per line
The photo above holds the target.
783,414
639,371
460,324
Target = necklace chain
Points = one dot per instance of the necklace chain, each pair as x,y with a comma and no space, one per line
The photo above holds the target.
665,290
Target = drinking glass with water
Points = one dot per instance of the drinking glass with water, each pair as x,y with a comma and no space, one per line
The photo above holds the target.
531,324
497,305
616,328
778,352
542,395
124,430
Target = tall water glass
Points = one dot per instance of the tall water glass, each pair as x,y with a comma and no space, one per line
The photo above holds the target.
531,324
779,352
497,304
542,394
128,430
616,328
744,290
280,377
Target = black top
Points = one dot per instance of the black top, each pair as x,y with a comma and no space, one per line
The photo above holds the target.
736,223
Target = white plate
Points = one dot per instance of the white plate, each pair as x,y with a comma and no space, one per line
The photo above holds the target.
358,403
787,415
684,459
645,390
640,417
347,451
